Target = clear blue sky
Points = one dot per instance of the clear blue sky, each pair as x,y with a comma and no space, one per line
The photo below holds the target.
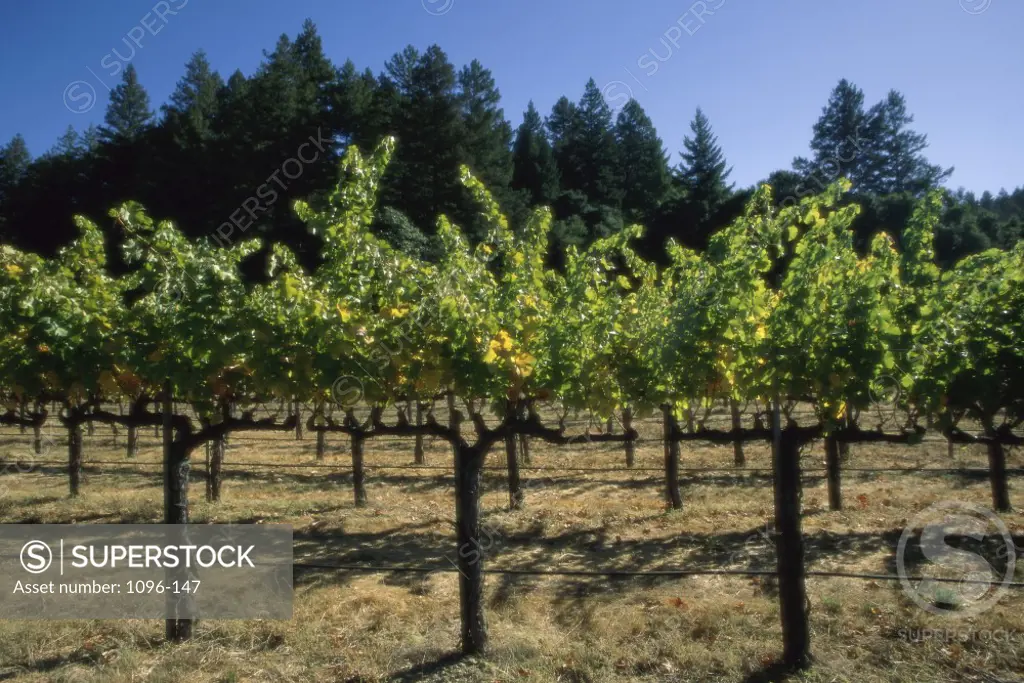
760,70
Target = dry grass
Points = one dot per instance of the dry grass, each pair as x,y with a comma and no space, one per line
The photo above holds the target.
404,627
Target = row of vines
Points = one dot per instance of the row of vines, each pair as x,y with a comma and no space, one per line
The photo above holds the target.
780,310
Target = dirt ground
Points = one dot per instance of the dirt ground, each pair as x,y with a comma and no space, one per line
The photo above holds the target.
361,627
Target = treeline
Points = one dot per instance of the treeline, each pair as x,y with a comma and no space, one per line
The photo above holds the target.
222,158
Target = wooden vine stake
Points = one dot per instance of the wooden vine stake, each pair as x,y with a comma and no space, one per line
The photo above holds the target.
132,447
37,432
739,457
672,494
74,454
515,489
833,460
358,473
627,424
321,444
419,456
524,448
217,447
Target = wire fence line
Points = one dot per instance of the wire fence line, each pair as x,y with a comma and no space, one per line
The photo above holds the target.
650,429
20,466
286,438
629,573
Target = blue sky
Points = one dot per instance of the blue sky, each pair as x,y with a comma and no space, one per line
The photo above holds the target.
760,70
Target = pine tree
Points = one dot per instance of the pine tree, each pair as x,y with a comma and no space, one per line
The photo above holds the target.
319,77
354,105
128,114
422,181
14,163
237,145
643,163
187,153
91,139
401,68
69,145
234,91
316,94
842,140
563,125
234,136
596,154
896,162
534,170
488,136
391,92
787,187
274,98
193,104
587,157
703,172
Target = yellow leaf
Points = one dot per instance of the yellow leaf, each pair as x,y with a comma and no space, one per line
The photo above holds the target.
343,313
526,360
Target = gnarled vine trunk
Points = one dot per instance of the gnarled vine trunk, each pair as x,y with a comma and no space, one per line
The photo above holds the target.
997,474
470,550
176,470
790,549
132,448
